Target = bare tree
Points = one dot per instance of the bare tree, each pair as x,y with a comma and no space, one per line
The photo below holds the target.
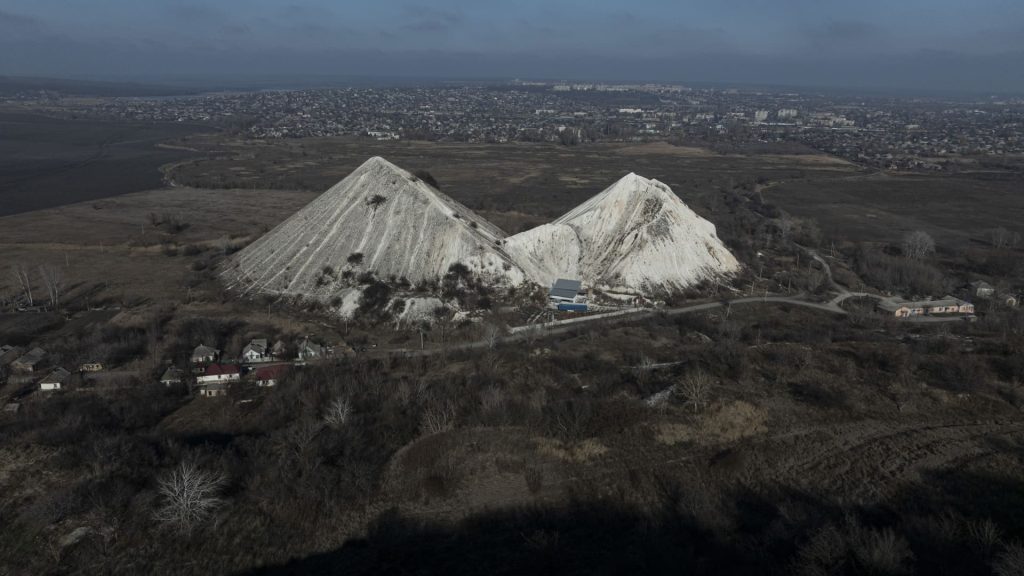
492,334
695,390
53,279
338,413
918,245
1003,238
23,280
190,496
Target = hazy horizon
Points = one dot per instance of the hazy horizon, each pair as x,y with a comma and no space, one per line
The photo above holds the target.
926,46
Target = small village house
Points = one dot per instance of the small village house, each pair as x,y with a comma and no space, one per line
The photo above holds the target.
906,309
256,350
310,350
219,373
9,354
213,389
270,375
280,349
55,380
566,291
91,367
982,289
31,361
203,354
172,376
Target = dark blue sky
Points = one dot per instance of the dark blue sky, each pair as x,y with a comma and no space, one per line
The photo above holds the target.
938,44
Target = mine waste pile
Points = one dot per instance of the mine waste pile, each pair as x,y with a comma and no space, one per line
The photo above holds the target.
635,237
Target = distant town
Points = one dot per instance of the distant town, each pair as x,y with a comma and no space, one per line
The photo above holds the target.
916,134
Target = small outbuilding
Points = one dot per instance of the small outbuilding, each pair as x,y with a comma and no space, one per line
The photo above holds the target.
31,361
203,354
172,376
55,380
565,291
270,375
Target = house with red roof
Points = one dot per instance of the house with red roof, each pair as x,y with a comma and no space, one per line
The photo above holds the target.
270,375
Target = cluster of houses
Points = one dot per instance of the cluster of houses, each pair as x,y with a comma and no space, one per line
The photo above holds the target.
211,374
34,365
259,362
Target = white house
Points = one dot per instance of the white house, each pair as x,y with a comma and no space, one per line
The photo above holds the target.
309,350
256,350
219,373
204,354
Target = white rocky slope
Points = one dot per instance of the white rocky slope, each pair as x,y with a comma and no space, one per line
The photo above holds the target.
401,225
636,236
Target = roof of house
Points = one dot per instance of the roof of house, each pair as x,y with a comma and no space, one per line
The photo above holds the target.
32,357
203,351
56,376
9,354
271,372
981,284
214,385
258,345
172,374
218,369
563,288
897,304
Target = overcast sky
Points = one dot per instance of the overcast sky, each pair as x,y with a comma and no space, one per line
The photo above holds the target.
971,45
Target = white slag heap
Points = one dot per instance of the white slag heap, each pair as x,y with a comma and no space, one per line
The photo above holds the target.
636,236
401,226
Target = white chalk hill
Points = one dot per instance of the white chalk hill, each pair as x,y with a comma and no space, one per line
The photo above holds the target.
636,236
401,225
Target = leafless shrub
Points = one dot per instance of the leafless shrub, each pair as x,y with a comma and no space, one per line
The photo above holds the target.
492,334
695,390
985,535
338,413
492,399
1011,561
883,551
918,245
190,496
437,418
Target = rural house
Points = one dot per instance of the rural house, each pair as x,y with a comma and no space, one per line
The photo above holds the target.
55,380
9,354
982,289
309,350
270,375
172,376
204,354
947,305
565,291
212,389
31,361
219,373
256,351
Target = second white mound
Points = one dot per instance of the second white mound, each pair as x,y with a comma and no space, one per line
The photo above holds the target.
636,236
380,218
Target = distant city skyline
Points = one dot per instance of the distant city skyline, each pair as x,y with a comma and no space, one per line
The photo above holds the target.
912,44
